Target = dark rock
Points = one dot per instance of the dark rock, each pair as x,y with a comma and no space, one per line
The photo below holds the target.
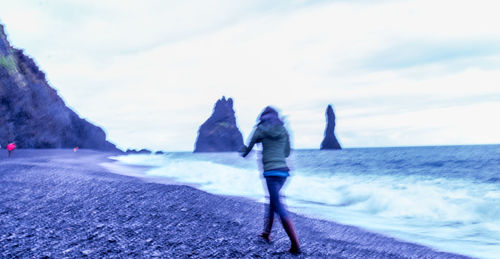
220,133
159,153
31,112
145,151
330,141
4,44
134,151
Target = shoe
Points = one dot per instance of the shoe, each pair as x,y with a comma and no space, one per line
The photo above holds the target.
265,236
295,250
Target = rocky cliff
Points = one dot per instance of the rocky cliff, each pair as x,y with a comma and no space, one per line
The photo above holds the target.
330,141
220,133
32,114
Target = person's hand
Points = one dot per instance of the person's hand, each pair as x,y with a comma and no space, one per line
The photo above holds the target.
243,151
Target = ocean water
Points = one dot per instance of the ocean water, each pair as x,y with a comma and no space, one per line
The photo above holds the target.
445,197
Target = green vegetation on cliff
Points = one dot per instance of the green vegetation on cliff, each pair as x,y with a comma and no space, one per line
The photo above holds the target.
8,63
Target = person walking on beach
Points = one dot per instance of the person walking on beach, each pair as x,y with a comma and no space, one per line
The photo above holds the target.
11,147
275,148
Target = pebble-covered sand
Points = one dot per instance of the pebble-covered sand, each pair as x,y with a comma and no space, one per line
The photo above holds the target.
63,204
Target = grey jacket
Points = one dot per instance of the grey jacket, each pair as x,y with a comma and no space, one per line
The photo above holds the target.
275,145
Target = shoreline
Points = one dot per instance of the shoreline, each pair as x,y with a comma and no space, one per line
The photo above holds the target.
58,203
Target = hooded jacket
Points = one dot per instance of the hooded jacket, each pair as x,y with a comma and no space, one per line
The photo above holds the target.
275,145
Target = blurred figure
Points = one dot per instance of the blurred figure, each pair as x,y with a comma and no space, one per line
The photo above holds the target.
75,149
275,148
11,147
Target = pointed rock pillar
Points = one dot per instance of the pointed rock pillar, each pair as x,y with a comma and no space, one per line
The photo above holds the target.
330,141
220,133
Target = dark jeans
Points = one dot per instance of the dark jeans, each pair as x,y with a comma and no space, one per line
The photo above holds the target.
274,184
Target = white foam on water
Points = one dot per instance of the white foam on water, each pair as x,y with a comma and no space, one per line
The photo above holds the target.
142,159
211,177
450,215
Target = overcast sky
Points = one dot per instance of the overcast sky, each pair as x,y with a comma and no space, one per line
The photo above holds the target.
398,73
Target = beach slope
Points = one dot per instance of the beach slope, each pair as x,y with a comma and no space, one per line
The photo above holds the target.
57,203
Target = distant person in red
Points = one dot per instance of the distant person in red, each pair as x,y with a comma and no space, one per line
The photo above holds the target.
11,147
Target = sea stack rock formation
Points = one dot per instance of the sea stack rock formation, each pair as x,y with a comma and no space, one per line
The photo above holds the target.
220,133
330,141
32,114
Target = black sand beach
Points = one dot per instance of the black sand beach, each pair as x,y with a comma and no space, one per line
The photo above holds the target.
57,203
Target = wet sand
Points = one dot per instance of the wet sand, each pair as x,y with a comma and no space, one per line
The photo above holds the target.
57,203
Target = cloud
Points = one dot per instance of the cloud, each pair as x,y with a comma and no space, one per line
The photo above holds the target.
411,54
149,73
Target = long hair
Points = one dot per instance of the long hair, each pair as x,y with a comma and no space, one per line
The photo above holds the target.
270,116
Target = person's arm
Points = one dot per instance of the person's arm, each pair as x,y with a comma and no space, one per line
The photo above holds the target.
255,139
287,145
